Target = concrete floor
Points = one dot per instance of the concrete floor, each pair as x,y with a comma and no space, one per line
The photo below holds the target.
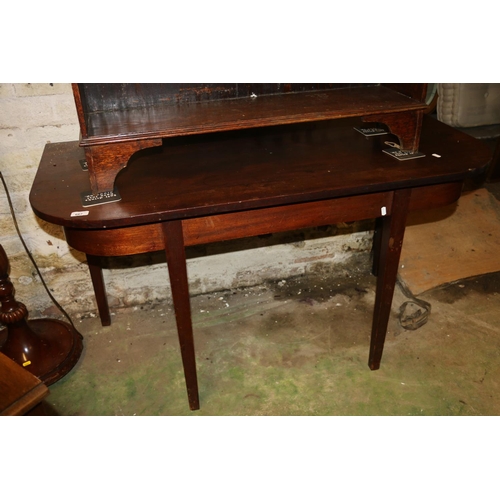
295,347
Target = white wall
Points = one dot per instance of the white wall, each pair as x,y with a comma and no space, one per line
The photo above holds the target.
32,115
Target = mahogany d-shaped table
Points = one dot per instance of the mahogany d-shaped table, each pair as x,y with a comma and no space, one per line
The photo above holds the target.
220,186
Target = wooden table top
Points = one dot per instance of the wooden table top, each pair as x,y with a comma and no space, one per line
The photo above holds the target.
241,170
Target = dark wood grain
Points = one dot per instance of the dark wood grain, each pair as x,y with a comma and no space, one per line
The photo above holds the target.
95,269
494,168
47,348
126,115
104,162
176,260
405,126
390,240
417,91
20,391
236,171
202,189
82,107
105,97
162,121
146,238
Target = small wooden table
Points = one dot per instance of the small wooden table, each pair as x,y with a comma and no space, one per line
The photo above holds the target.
221,186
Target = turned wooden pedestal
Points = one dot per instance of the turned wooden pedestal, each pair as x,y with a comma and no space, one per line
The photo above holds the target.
47,348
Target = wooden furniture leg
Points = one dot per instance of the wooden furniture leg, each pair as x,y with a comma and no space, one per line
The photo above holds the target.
493,174
377,235
101,298
391,242
176,261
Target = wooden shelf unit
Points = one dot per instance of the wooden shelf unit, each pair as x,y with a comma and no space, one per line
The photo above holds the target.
117,120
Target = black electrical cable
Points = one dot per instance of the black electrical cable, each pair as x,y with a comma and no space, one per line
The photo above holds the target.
11,207
412,318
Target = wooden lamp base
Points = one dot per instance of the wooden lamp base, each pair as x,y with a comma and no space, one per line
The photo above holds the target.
47,348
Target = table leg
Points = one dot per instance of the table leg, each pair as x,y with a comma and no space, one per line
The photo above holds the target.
176,261
392,229
377,234
101,298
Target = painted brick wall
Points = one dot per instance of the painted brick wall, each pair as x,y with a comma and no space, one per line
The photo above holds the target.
32,115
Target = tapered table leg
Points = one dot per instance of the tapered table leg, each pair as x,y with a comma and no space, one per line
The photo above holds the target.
176,260
392,229
377,234
101,298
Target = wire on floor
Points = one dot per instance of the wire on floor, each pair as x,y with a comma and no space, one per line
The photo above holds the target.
413,313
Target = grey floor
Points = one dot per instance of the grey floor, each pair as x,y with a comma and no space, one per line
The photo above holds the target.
295,347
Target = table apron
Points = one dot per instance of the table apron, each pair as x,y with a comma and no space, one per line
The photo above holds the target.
146,238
